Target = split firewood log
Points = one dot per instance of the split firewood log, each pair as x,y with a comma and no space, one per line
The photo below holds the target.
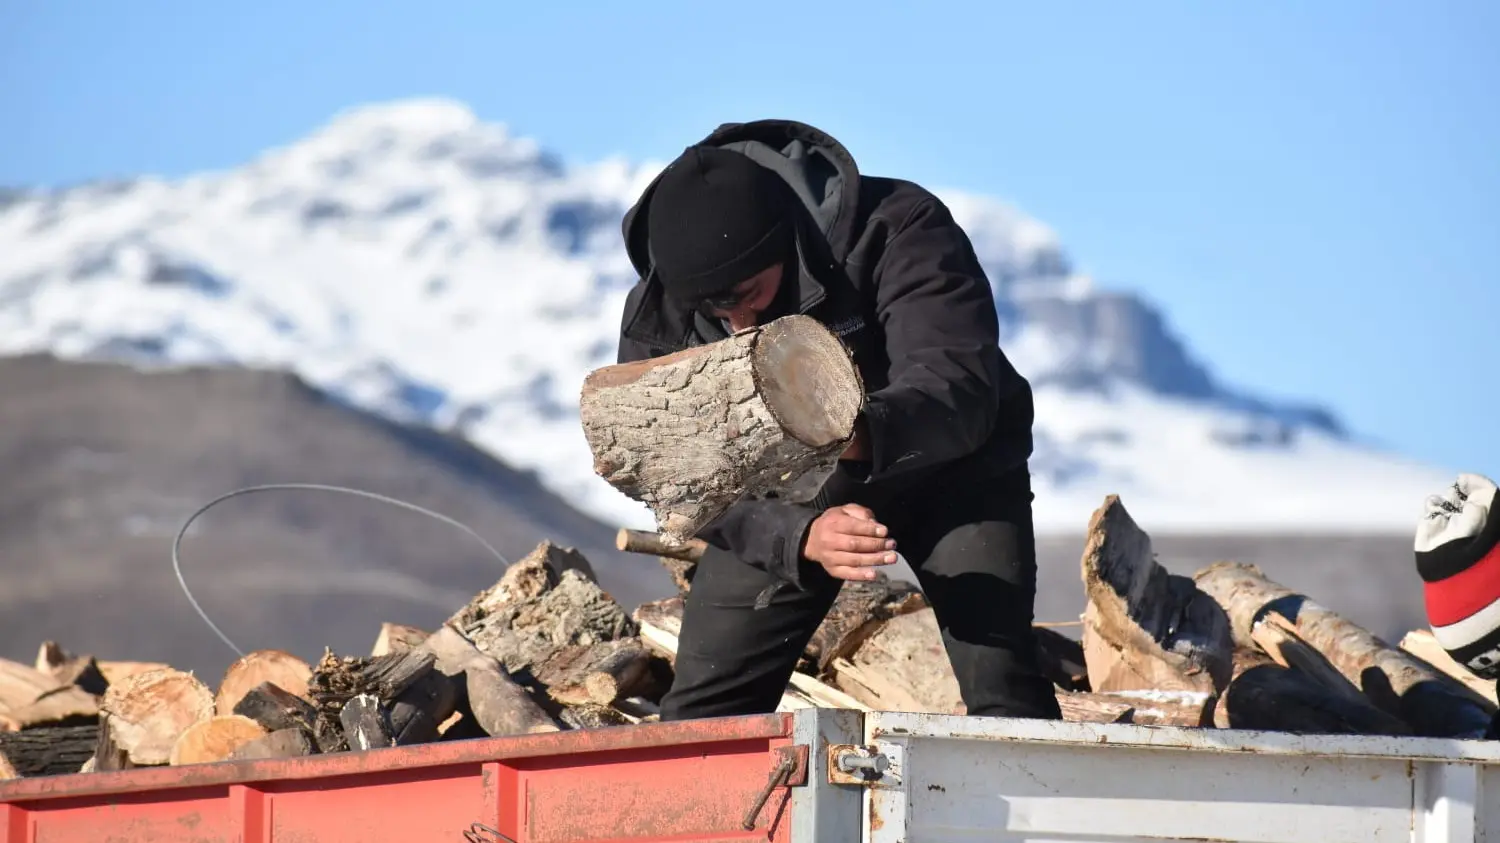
857,612
282,743
366,724
1423,645
147,712
278,667
21,685
596,673
1146,629
49,750
70,669
335,681
902,666
763,413
1429,701
65,705
397,638
213,739
496,702
1267,695
277,709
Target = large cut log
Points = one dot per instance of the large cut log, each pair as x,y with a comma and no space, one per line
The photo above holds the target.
494,701
147,712
1146,629
214,739
1430,702
763,413
859,610
278,667
49,750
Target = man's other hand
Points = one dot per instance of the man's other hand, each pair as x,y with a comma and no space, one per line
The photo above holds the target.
849,543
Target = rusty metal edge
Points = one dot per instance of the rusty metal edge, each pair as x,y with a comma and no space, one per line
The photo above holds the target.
400,759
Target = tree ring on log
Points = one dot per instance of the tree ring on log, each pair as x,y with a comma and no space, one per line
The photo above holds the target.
796,358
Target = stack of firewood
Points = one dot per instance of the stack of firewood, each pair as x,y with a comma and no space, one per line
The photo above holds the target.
546,649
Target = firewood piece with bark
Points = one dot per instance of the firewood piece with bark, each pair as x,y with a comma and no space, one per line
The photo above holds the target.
366,724
214,739
277,709
597,673
7,769
1187,709
534,612
1423,645
417,713
397,638
49,750
656,544
763,413
70,669
1083,707
21,685
1144,627
902,666
1430,702
859,609
593,716
65,705
285,670
496,702
148,711
282,743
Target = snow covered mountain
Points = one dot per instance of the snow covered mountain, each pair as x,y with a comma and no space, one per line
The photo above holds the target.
428,266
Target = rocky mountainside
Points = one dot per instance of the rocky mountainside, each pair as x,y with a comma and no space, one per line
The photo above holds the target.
436,269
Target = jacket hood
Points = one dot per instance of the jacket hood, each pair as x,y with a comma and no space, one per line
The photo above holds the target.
819,171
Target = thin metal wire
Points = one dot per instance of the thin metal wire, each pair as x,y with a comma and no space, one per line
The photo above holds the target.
316,487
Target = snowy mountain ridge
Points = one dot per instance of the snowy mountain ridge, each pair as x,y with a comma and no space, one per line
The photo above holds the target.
428,266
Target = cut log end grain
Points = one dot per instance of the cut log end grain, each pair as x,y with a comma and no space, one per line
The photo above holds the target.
213,739
763,413
278,667
147,712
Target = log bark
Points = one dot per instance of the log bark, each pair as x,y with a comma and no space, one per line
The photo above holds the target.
148,711
397,638
763,413
597,673
1430,702
277,709
283,743
1146,629
1081,707
859,610
278,667
213,739
49,750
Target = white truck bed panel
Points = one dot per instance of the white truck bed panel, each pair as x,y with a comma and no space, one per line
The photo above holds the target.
968,778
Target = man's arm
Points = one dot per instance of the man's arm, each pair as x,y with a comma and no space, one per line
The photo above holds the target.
942,338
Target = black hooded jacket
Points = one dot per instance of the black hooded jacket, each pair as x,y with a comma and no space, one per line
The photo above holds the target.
884,265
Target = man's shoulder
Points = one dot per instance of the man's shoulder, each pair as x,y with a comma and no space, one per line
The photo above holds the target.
890,202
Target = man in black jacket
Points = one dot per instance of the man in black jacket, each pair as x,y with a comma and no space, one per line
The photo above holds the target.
769,218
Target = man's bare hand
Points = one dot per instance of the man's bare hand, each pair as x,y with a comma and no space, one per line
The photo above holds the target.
849,543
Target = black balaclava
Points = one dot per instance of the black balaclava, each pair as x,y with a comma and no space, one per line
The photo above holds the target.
716,219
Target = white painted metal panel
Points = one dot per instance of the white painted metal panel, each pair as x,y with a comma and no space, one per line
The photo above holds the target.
969,778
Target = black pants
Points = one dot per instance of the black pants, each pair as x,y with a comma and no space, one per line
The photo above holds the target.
974,554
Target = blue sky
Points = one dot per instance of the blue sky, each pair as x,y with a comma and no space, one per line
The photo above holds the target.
1312,190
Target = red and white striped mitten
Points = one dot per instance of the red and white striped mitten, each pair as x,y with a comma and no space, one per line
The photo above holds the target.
1458,558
